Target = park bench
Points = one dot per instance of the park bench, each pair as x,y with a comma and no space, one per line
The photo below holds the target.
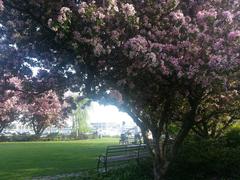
118,155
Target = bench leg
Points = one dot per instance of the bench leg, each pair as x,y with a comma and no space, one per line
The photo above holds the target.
138,161
105,165
98,165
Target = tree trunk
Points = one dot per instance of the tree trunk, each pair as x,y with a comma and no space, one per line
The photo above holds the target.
38,130
37,134
160,162
1,128
159,169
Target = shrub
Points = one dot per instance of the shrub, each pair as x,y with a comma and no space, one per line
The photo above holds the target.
143,171
4,138
18,137
206,159
233,136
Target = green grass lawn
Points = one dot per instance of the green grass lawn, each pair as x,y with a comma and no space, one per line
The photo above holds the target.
23,160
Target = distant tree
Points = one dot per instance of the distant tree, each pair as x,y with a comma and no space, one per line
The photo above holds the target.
80,117
43,111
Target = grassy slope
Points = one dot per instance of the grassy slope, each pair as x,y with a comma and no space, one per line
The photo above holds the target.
23,160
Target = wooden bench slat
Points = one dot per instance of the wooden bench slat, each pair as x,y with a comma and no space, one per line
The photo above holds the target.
122,153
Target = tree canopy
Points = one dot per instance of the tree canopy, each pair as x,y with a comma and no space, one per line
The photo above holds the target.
161,61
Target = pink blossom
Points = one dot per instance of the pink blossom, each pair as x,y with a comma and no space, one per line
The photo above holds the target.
48,104
97,15
136,45
50,25
50,21
98,49
65,10
180,74
153,59
82,8
64,13
10,103
100,15
77,36
61,18
1,5
128,9
202,15
234,35
177,15
219,44
237,14
164,69
216,61
228,16
113,5
115,35
16,82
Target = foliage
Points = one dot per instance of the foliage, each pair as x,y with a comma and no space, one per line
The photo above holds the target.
142,171
80,117
206,159
19,137
233,136
72,136
49,137
161,61
217,113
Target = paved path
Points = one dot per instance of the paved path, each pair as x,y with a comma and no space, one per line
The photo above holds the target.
61,176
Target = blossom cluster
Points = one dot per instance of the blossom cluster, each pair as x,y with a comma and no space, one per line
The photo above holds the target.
128,10
91,11
16,82
177,15
98,47
234,35
82,8
64,14
184,44
204,15
63,21
136,46
185,48
112,6
228,16
10,102
1,5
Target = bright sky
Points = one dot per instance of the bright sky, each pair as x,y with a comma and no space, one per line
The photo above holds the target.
108,114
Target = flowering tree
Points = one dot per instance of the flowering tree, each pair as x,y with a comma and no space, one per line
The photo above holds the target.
10,100
160,60
42,111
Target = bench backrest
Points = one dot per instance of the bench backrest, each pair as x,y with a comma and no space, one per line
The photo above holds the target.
119,150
